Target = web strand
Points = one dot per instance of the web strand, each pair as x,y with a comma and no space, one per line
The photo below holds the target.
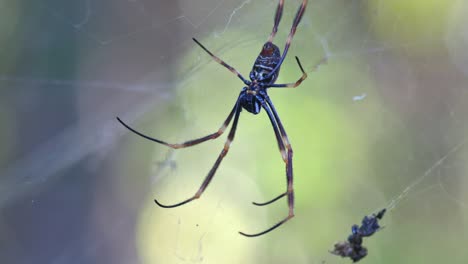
394,202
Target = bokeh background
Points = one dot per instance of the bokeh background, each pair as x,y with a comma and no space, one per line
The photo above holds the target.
382,124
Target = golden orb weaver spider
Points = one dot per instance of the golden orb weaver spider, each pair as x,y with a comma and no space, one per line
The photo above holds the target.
252,98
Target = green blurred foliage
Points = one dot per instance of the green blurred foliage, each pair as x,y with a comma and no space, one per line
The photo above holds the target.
354,148
8,36
419,25
9,25
329,140
7,135
352,152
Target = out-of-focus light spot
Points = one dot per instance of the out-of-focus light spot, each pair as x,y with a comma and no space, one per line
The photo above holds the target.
418,26
359,97
8,27
7,139
457,35
205,230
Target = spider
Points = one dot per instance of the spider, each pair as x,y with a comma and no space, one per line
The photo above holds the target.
253,97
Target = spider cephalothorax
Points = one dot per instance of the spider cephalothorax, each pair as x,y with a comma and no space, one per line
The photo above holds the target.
249,101
253,98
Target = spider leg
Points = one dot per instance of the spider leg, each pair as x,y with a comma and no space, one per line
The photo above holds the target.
281,148
190,142
212,172
220,61
289,172
297,83
297,19
278,14
272,200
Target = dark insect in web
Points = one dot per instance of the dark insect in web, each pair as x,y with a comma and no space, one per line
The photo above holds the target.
253,97
352,248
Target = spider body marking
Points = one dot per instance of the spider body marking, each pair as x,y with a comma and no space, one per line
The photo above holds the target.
253,97
265,63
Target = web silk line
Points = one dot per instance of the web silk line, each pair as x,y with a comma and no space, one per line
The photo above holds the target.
395,201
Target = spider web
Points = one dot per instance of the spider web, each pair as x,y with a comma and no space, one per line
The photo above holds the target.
382,124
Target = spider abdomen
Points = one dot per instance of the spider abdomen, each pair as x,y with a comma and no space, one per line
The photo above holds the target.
265,63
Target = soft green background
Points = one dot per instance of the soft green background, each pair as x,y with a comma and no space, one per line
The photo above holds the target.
383,123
